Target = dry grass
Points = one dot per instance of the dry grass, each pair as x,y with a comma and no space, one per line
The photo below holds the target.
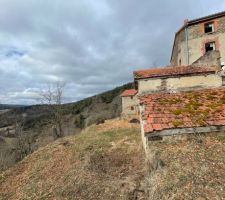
191,168
107,162
103,162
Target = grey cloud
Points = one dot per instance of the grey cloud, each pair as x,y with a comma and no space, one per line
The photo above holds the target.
92,45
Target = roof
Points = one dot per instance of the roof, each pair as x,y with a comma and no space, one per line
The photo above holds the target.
172,71
200,108
206,18
128,93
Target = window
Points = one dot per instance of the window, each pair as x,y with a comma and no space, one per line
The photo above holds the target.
211,46
209,28
131,97
132,107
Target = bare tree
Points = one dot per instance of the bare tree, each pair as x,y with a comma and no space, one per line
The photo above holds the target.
24,141
53,97
6,157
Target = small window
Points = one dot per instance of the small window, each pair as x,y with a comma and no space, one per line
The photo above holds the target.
132,107
211,46
131,97
180,62
209,28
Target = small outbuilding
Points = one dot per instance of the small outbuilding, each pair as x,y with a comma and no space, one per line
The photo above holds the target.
129,103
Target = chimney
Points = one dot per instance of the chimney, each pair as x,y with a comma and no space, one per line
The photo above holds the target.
185,21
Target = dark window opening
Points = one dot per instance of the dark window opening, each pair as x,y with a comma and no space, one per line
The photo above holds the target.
131,97
180,62
132,107
210,46
209,28
155,138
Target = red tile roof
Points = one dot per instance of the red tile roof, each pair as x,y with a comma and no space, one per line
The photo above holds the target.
172,71
128,93
183,110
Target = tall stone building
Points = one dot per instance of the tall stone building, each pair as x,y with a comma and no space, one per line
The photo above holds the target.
198,38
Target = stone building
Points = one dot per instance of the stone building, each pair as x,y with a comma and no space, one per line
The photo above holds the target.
188,96
171,80
129,103
197,37
174,79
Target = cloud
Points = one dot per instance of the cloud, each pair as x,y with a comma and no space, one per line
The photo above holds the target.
92,45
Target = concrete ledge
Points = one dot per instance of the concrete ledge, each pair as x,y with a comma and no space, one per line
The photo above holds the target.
180,131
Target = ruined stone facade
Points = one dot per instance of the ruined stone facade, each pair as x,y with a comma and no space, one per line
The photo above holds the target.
197,37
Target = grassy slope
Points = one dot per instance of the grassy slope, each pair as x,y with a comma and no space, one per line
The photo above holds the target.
103,162
107,162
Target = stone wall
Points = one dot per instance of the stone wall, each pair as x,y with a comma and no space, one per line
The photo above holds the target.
143,136
197,46
179,83
127,104
179,48
211,58
197,30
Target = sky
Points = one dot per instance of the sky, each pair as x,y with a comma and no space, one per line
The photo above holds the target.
91,45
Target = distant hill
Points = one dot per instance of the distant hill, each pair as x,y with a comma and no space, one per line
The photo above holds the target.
106,105
9,106
37,128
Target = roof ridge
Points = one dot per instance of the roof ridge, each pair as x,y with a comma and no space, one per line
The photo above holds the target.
128,92
171,71
207,16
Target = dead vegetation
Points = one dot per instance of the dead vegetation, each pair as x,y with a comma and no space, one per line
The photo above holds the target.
103,162
190,168
107,162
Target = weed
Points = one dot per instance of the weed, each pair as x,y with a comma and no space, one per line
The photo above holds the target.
221,138
177,123
177,111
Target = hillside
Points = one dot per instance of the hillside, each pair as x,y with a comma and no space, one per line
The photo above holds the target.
107,162
35,123
191,167
9,106
102,106
103,162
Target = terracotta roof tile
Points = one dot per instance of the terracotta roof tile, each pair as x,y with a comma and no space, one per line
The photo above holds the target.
128,93
172,71
198,108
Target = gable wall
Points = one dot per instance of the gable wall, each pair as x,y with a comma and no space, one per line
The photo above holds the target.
179,83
